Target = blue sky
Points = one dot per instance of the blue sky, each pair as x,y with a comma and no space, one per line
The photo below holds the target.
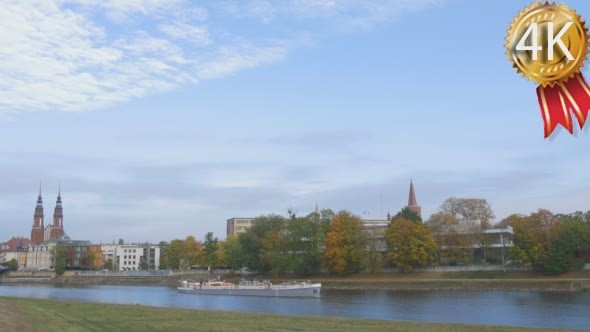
166,118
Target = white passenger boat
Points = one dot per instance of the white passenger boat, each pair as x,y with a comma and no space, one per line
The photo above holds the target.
251,288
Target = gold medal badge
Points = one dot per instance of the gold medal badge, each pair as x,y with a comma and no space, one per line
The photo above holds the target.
548,44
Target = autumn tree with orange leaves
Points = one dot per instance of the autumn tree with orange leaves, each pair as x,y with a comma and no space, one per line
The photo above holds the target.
344,244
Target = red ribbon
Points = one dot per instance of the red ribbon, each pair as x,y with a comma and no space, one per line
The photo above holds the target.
557,101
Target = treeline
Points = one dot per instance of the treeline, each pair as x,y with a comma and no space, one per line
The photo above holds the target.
551,243
340,244
336,242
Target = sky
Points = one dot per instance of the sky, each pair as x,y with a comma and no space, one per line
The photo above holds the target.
164,118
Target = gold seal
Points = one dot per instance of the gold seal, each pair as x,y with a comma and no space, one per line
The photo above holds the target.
547,43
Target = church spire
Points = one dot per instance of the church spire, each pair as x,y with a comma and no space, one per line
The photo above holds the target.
412,196
412,203
58,212
37,230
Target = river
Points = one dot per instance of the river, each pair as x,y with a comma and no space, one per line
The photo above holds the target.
514,308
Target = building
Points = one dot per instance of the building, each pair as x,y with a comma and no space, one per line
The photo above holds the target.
15,248
467,243
41,257
78,254
131,257
375,230
40,233
237,226
13,244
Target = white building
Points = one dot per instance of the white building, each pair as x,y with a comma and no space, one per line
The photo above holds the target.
237,226
41,257
129,257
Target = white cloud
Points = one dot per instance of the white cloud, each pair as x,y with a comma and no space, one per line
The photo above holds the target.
179,30
231,59
55,58
62,55
347,14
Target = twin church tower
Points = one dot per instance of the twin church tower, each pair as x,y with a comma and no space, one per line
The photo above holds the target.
40,233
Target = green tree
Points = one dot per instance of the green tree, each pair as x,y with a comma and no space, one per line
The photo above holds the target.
533,238
567,250
91,258
210,248
305,238
108,265
409,244
121,242
163,255
143,265
344,244
275,252
255,254
408,214
175,254
60,260
13,265
233,253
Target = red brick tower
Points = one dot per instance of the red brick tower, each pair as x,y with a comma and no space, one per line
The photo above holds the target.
412,204
37,231
57,230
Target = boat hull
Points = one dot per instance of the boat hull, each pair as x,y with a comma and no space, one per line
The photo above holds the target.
313,290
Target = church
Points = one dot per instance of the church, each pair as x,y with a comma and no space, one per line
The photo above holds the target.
40,233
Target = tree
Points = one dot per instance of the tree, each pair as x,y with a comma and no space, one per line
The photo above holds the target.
374,259
255,253
232,253
210,248
191,251
453,246
567,250
60,260
175,255
275,253
13,265
407,213
409,244
91,258
163,255
108,265
469,209
143,265
305,238
344,244
121,242
533,238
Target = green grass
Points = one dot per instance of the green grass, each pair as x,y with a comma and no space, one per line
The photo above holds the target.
50,315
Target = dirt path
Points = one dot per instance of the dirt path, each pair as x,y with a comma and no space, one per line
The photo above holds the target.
12,319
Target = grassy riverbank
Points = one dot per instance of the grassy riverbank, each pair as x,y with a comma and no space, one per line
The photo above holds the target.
22,314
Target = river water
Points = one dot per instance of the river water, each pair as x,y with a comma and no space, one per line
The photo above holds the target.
532,309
